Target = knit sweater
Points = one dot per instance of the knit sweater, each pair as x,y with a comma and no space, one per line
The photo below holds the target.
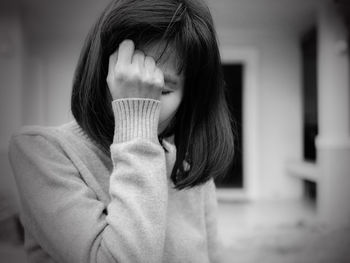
79,204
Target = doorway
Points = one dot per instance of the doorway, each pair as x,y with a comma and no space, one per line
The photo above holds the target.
233,76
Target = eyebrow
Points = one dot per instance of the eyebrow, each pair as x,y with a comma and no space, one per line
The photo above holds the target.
171,78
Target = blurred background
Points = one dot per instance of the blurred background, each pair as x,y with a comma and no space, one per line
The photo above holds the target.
286,65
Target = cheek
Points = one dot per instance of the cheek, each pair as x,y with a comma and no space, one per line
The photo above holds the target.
169,105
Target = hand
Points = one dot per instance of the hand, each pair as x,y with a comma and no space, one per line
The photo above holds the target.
132,74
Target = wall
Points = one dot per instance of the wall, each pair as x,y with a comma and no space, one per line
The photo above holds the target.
49,73
11,57
53,46
278,106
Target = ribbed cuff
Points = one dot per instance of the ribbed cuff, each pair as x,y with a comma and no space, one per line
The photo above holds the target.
135,118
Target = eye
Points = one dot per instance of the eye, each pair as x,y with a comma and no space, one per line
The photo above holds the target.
166,92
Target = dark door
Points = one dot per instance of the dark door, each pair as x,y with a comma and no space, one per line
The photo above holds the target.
233,74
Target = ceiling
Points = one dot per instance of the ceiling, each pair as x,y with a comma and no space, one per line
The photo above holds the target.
51,17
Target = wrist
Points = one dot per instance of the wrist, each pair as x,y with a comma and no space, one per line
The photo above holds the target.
135,118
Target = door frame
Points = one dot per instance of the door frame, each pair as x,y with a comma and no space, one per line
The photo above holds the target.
248,57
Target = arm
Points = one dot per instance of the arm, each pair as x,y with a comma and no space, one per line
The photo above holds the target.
63,214
214,242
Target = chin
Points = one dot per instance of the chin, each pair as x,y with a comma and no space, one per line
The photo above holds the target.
160,130
162,126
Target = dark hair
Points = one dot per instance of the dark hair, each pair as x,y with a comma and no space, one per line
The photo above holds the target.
202,124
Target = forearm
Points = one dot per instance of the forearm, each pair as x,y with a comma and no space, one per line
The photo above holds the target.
138,184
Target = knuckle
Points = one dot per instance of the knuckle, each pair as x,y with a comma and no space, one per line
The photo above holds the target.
134,74
151,81
145,81
160,78
124,73
150,60
158,83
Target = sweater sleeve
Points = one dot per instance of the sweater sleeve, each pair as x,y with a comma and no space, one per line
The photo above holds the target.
214,242
63,214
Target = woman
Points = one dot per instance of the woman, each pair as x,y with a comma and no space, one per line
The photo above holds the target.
131,178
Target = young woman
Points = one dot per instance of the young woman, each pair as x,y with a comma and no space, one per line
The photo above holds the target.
131,178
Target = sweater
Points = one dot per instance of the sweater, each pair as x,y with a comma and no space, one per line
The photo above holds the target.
79,204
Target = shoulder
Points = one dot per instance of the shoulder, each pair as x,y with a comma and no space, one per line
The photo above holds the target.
38,141
64,145
51,134
31,134
39,152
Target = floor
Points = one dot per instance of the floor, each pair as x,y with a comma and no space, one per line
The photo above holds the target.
271,232
280,232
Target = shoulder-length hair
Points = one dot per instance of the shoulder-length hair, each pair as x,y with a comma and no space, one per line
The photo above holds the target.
202,124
